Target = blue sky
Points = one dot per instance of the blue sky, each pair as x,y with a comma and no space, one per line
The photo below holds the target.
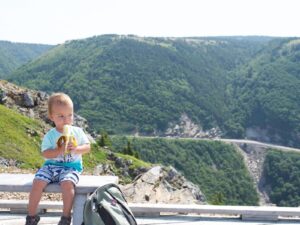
56,21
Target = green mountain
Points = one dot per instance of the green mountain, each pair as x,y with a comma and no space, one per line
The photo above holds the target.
13,55
265,94
125,84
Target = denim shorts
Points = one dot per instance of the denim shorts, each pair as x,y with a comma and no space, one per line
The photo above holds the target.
57,174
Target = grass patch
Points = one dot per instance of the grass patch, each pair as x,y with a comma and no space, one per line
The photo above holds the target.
20,138
97,156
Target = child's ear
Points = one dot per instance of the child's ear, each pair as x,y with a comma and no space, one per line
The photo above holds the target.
50,117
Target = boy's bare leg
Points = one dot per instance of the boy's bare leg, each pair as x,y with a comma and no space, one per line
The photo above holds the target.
68,193
35,196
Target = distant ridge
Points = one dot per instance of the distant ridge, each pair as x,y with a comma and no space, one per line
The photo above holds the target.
13,55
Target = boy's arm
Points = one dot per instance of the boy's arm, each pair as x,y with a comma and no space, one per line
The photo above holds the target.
81,149
53,153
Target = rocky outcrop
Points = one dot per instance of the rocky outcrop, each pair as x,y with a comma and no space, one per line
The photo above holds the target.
163,185
124,167
187,128
8,162
31,103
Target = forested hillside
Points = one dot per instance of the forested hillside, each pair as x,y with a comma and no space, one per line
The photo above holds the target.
13,55
265,94
126,84
282,172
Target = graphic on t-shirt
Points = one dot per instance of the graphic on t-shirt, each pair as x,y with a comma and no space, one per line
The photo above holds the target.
66,138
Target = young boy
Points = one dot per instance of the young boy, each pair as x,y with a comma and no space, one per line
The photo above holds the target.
63,162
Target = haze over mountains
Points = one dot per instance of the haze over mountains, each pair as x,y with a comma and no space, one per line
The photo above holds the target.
243,86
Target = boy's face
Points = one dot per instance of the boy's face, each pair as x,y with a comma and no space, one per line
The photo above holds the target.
61,115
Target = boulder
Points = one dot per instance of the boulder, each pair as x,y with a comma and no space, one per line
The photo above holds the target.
163,185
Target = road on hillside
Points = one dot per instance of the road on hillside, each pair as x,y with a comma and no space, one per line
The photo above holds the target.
237,141
266,145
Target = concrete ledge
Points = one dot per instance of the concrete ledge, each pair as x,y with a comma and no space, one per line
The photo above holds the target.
23,182
259,217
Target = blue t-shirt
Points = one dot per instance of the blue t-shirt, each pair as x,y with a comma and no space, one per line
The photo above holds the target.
70,160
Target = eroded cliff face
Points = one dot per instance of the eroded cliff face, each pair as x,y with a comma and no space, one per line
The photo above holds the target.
186,128
254,156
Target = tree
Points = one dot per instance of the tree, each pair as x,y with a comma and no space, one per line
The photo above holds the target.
104,140
128,150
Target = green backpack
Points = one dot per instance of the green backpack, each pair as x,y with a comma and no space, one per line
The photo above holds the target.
107,206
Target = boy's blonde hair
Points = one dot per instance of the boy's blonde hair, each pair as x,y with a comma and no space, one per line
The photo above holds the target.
59,99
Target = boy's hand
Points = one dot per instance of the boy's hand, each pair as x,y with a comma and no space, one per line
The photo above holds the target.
61,149
71,147
80,149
